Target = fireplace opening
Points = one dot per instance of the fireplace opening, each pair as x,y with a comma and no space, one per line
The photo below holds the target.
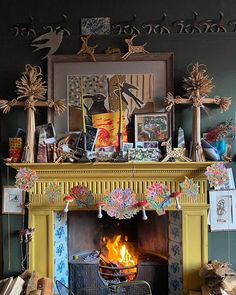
107,251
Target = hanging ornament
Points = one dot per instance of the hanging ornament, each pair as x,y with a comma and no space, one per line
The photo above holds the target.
25,238
143,204
176,195
53,190
158,197
82,196
216,174
25,179
189,188
68,199
120,203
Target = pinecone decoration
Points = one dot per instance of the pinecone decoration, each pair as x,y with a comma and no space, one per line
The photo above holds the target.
31,83
198,81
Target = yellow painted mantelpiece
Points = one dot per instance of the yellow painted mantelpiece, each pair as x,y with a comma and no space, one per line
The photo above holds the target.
102,177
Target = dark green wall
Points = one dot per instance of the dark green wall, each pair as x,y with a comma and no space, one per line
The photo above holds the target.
216,50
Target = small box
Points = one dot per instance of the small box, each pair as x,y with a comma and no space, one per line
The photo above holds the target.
15,143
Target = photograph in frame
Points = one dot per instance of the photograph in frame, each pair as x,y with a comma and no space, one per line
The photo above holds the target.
12,200
222,210
153,127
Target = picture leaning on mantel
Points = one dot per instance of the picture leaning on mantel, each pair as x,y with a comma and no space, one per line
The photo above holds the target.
145,80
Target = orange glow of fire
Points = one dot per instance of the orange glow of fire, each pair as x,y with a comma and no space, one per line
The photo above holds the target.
121,254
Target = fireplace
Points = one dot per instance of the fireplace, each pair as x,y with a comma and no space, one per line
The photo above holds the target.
147,244
102,177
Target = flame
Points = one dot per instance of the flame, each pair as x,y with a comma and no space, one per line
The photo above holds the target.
121,254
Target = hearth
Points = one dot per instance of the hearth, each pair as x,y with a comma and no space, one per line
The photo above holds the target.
143,245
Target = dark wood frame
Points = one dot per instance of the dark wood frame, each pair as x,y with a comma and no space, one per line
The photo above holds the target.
68,60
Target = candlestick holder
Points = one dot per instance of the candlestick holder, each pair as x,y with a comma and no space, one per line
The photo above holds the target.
119,157
84,158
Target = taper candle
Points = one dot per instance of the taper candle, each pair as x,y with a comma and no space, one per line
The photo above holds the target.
82,104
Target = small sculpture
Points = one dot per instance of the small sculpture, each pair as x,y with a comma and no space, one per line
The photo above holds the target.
133,48
214,25
87,49
175,154
188,26
157,26
126,27
24,29
52,39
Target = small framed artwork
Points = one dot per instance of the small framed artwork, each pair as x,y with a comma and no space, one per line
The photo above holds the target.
152,127
222,210
12,200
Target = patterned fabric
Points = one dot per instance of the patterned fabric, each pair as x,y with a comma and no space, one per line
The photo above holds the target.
175,265
60,249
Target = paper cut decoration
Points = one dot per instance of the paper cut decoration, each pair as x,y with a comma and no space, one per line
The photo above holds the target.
120,203
108,125
217,174
158,197
82,196
189,188
53,191
25,179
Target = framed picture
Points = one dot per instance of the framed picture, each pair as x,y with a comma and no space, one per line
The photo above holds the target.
144,80
153,127
12,200
222,210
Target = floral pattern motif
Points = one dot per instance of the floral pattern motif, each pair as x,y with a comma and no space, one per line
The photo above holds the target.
158,196
61,272
175,266
120,203
25,179
217,174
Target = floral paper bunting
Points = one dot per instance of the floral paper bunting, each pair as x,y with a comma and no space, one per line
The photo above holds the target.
53,190
158,196
25,179
120,203
189,188
216,174
82,196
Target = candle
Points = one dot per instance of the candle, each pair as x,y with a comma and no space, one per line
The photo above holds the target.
120,106
82,105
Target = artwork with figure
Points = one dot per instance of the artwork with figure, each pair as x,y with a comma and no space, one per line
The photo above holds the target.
102,94
151,127
223,210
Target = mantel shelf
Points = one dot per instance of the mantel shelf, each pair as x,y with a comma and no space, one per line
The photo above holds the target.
103,177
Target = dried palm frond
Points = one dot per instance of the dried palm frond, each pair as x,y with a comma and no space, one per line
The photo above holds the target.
5,105
224,104
169,101
198,80
58,105
31,83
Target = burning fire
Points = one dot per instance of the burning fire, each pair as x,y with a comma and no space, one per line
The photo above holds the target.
120,254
